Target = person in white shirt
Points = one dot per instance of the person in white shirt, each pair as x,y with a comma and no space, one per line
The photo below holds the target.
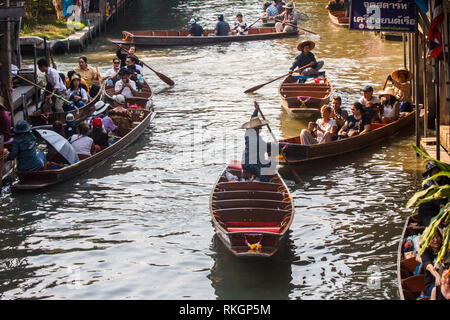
115,69
55,85
81,142
125,86
368,97
322,131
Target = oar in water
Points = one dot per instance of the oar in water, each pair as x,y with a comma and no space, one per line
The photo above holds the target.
253,89
163,77
295,174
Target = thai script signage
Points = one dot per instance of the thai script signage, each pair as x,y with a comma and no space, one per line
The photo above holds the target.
387,15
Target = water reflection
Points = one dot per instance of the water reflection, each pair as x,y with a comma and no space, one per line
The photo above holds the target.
250,279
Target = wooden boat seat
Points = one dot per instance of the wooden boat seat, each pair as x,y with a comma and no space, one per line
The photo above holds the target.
256,224
414,283
248,194
263,186
410,264
260,229
259,203
251,214
374,126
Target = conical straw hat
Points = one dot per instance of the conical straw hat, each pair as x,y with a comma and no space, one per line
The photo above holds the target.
254,122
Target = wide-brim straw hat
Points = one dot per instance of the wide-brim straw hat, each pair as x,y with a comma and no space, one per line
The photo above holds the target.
100,107
254,122
388,90
289,5
305,42
396,73
120,99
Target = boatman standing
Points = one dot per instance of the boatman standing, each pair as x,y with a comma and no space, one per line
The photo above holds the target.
254,160
306,59
55,86
287,21
196,30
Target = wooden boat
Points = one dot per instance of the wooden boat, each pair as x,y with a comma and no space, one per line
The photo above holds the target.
142,99
339,18
301,100
297,153
246,213
38,118
44,178
410,286
162,38
267,22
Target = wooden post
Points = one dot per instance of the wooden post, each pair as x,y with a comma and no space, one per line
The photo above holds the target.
438,111
5,64
425,93
1,160
416,81
404,48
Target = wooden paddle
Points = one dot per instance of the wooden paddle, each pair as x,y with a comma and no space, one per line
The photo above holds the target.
253,23
253,89
293,25
163,77
295,174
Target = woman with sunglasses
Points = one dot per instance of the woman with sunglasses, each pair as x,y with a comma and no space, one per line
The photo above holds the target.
113,73
357,123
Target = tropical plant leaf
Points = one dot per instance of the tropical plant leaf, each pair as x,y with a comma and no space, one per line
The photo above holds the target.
442,165
439,174
420,194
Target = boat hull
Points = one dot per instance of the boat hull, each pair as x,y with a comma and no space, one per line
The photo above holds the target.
339,18
45,178
164,38
297,153
264,211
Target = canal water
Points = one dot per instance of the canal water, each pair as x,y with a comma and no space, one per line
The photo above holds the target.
138,227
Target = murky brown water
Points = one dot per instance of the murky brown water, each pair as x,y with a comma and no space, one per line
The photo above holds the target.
139,227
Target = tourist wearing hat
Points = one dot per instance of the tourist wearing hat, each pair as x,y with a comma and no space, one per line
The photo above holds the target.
306,61
222,27
99,135
196,30
76,94
55,85
24,149
402,87
121,116
125,86
5,121
71,127
390,107
254,157
368,96
287,21
100,108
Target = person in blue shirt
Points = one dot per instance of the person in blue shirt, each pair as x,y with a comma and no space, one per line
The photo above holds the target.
306,59
222,27
196,30
24,149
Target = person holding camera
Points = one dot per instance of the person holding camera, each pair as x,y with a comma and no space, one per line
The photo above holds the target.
321,131
357,123
76,94
125,86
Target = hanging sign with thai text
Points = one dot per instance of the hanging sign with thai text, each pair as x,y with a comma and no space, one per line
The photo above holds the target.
387,15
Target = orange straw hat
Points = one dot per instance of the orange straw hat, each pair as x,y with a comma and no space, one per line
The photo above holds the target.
306,42
396,73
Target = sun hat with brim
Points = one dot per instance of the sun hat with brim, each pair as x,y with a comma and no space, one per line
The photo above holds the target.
289,5
22,127
254,122
304,43
120,99
100,107
389,91
396,73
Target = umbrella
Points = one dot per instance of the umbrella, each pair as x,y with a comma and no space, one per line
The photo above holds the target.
61,145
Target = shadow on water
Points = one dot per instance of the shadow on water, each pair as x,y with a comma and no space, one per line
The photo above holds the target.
251,279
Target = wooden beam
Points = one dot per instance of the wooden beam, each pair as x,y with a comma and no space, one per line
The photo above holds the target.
13,12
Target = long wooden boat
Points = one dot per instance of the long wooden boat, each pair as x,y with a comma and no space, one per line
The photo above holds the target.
301,100
179,37
142,99
38,118
339,18
246,213
410,286
297,153
44,178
